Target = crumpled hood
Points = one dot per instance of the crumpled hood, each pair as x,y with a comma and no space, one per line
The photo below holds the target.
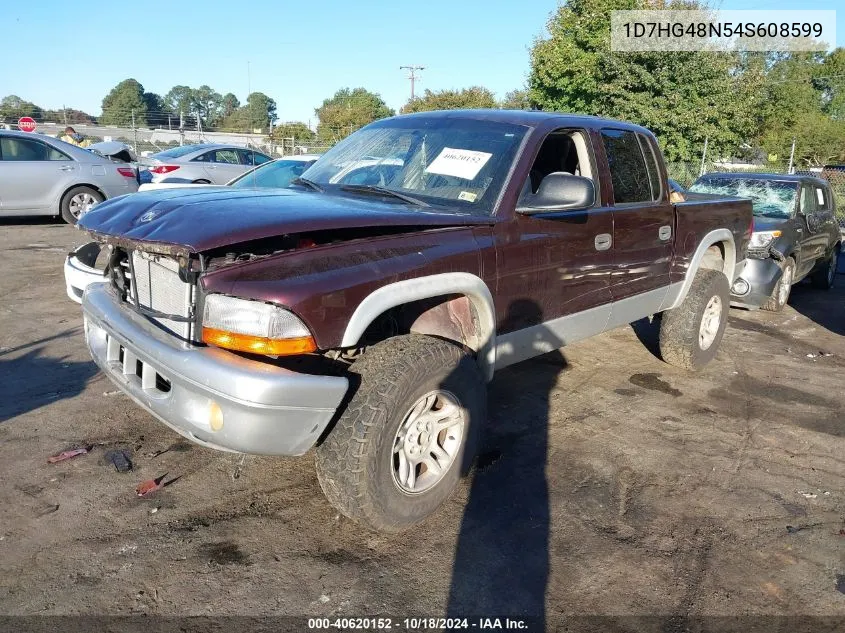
185,220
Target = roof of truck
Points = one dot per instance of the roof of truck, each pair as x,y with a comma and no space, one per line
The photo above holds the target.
531,118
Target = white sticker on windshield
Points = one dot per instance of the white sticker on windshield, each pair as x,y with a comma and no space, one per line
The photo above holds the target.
820,197
461,163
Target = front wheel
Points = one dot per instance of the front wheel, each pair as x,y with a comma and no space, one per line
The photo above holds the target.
780,295
402,443
77,202
691,333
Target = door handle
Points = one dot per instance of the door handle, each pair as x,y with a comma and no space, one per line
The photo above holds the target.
664,232
66,168
603,241
211,167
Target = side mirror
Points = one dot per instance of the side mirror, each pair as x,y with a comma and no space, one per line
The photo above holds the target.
560,192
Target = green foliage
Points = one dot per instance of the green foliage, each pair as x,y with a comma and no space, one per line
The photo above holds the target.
297,130
516,100
684,97
157,112
349,110
229,104
12,108
467,98
831,83
257,114
179,100
124,99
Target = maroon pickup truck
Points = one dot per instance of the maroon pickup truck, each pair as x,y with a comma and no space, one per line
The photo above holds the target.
363,310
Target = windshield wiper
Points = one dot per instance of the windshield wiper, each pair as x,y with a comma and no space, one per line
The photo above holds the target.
384,191
307,183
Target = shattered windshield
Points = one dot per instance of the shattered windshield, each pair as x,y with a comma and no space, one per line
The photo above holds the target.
770,198
460,164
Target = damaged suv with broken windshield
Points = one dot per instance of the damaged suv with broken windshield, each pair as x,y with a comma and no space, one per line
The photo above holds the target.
796,234
362,311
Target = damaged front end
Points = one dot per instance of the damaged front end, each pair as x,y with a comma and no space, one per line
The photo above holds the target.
758,279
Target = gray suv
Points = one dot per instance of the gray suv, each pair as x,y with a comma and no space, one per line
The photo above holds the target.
41,175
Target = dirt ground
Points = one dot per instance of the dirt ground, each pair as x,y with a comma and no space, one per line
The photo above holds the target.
609,483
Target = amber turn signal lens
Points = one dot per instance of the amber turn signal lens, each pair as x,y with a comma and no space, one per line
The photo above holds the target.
258,344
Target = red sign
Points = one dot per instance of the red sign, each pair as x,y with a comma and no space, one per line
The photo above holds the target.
26,124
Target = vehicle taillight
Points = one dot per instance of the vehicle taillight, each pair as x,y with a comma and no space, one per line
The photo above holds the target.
126,171
163,169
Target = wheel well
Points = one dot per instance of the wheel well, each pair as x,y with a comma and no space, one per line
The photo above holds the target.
714,257
80,184
451,317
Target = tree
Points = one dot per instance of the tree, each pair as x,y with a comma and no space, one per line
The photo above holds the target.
257,114
819,140
466,98
69,116
12,107
125,98
229,104
180,100
157,112
349,110
207,103
296,130
831,81
684,97
516,100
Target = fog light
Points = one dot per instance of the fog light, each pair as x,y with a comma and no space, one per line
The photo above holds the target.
740,287
215,416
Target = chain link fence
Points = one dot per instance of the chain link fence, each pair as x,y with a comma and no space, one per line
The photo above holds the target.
686,173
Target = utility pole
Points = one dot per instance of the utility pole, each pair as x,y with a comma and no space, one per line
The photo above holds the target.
412,75
791,157
703,156
134,133
248,81
181,127
64,112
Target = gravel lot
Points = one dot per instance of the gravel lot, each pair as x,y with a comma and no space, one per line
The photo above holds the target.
609,483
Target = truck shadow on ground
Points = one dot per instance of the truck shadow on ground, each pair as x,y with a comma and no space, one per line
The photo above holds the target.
501,561
31,381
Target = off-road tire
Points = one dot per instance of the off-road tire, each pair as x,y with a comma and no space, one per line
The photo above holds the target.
355,461
679,327
774,303
64,205
824,277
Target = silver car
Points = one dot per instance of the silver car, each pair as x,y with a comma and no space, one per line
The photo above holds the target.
41,175
202,164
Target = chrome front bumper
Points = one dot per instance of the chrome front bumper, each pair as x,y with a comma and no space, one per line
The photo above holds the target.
265,409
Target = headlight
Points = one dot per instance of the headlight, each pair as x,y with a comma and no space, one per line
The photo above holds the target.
761,239
253,326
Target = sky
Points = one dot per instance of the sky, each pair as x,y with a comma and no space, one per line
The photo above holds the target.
70,54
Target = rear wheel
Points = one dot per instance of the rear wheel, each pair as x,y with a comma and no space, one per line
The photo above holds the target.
402,443
780,295
825,276
691,333
79,201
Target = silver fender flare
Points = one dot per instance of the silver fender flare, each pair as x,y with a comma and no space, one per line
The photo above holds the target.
713,237
408,290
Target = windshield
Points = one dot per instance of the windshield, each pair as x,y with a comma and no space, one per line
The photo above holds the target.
279,173
176,152
445,162
770,198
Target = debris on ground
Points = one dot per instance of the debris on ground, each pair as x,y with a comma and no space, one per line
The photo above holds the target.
68,454
324,598
48,509
811,355
808,495
840,583
120,460
111,393
148,487
792,529
236,474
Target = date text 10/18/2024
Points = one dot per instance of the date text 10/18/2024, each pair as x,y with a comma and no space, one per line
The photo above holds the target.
415,624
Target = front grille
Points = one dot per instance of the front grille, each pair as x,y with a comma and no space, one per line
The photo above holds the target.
156,287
